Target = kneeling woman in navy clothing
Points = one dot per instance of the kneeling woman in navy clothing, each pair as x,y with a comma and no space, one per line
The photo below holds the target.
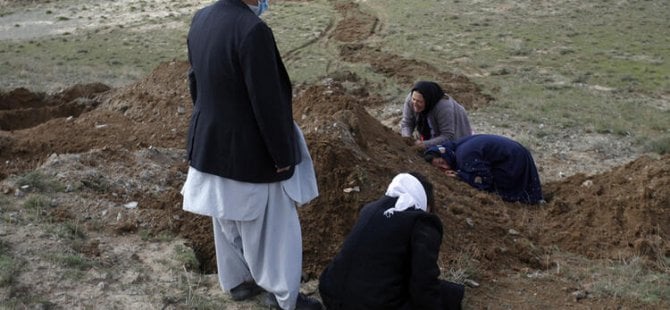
492,163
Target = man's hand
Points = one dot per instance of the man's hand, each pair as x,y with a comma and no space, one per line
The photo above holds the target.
280,170
409,141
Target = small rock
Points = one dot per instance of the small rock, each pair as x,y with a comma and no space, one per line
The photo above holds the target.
131,205
457,209
470,222
470,283
587,183
102,286
579,295
352,189
513,232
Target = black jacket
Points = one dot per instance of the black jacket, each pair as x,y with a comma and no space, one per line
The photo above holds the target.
386,262
242,122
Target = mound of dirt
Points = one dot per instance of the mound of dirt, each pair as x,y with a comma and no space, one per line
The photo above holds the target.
620,213
152,112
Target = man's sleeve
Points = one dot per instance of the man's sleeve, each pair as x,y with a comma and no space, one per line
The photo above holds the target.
265,84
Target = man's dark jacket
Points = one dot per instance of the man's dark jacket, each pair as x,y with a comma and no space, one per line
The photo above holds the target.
386,262
242,123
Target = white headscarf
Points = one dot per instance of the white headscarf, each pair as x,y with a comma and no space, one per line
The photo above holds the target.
409,191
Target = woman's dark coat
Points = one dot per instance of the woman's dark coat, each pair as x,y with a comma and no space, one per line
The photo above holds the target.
495,164
386,262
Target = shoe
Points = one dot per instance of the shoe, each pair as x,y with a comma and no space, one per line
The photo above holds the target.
245,291
307,303
304,302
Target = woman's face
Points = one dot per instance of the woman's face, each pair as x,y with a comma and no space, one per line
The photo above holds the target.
441,164
418,103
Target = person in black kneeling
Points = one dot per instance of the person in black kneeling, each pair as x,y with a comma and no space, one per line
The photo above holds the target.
389,259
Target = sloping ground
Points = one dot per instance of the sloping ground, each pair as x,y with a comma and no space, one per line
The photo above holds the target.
622,213
619,214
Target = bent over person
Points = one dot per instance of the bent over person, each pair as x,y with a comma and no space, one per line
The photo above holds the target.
435,115
491,163
249,163
389,259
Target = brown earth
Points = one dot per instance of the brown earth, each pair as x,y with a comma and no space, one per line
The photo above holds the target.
622,213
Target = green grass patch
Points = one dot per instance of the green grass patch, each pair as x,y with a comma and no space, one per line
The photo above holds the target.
37,181
163,236
461,268
113,56
4,201
659,145
36,206
71,230
570,40
9,267
73,261
632,278
186,257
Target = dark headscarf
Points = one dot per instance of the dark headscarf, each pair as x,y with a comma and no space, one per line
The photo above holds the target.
432,94
445,150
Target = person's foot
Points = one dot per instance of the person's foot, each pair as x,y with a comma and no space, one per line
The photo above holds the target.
245,291
304,302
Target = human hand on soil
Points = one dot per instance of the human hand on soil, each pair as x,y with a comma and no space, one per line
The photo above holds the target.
419,147
409,141
450,173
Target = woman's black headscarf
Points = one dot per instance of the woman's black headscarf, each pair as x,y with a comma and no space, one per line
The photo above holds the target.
446,150
432,93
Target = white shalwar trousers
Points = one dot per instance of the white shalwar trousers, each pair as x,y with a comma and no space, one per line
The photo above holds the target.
267,250
256,227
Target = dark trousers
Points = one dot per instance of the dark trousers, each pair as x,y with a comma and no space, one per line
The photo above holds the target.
452,295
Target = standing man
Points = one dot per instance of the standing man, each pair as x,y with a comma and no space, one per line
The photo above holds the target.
249,163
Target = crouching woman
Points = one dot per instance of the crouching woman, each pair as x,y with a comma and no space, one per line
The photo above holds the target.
389,259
